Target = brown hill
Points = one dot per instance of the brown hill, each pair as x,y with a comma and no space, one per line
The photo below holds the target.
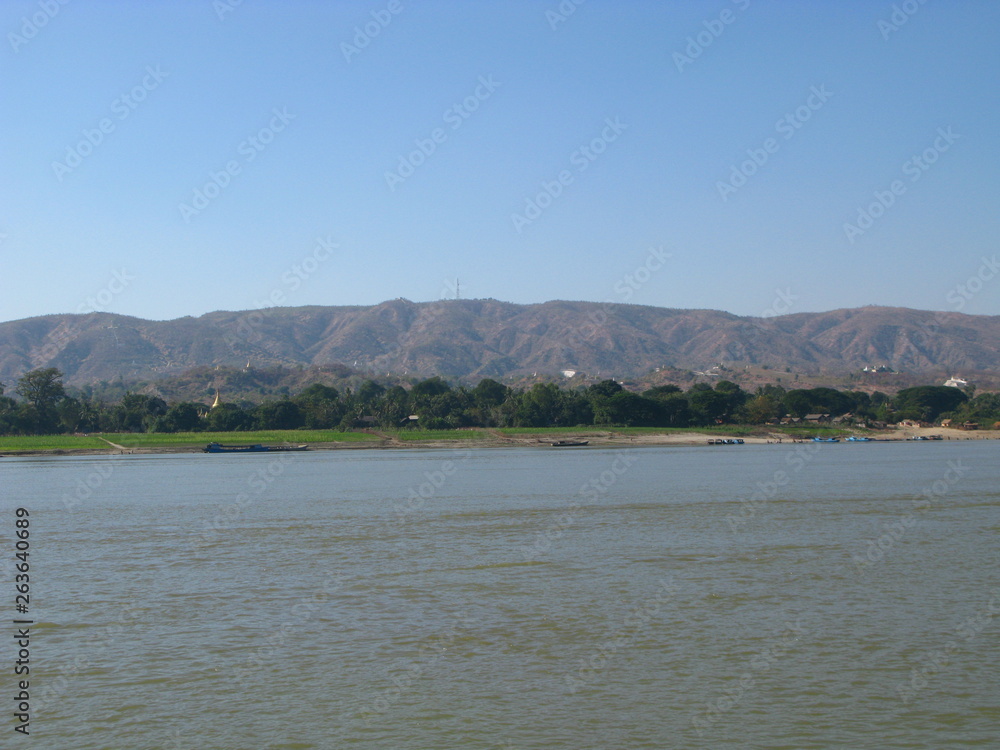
472,339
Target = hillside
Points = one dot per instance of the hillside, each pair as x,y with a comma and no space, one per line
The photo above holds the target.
473,339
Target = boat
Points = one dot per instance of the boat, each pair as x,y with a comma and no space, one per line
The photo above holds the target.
856,439
726,441
568,443
826,440
255,448
918,437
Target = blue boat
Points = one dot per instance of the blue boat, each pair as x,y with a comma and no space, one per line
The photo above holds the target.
255,448
856,439
826,440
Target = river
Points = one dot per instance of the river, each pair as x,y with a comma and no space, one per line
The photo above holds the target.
765,596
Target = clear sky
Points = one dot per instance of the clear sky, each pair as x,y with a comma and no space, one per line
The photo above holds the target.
677,154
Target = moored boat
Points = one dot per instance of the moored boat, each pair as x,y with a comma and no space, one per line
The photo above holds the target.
255,448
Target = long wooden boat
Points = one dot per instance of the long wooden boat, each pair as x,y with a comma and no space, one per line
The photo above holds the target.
255,448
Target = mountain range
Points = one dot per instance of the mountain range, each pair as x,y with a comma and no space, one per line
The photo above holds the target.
472,339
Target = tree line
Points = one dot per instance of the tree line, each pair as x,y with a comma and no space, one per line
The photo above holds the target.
45,406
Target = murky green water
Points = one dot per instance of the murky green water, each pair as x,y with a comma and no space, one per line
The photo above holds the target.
803,596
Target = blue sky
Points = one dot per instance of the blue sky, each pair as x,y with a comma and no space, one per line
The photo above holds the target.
634,152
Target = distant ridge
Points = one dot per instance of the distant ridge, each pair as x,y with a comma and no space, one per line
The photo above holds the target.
473,339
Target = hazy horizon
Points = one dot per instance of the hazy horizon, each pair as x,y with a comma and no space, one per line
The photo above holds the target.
166,160
500,301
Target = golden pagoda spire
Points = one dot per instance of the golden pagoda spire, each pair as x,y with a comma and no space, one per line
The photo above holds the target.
218,398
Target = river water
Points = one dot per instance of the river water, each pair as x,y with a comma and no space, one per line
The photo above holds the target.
765,596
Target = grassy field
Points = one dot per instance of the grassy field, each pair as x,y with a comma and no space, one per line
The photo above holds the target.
729,429
588,430
49,442
295,437
178,439
440,435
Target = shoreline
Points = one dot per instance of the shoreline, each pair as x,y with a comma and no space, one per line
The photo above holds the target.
595,438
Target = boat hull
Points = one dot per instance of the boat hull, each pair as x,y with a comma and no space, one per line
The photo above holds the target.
256,448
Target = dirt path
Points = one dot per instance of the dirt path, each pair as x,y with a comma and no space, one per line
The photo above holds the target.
122,448
384,436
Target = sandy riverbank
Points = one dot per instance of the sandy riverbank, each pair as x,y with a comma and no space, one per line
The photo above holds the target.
492,439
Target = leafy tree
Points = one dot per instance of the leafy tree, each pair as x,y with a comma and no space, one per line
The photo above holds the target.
43,389
627,409
70,411
661,392
228,418
321,406
675,410
800,402
760,409
393,408
927,402
735,395
709,406
489,393
136,412
429,388
183,417
279,415
369,393
606,388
